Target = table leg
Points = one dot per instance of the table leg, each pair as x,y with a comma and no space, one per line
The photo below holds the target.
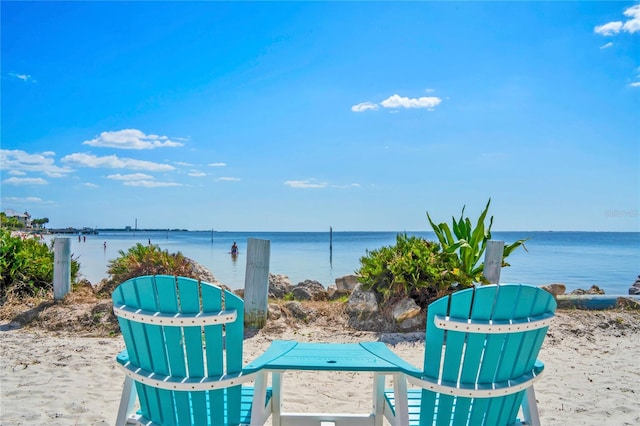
378,397
276,398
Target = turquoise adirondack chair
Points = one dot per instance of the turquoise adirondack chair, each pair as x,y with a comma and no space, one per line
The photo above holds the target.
480,359
184,354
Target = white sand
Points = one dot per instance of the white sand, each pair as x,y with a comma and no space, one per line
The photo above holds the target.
592,373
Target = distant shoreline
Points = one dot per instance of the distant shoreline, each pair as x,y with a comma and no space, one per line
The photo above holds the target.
96,231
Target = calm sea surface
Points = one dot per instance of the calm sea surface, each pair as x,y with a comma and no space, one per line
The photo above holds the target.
577,259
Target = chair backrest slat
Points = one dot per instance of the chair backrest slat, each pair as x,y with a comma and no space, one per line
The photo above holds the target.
214,337
234,337
168,303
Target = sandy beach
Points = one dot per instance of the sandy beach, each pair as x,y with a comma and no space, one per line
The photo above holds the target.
592,371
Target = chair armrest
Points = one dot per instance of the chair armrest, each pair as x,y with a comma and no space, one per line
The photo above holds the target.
381,350
538,367
123,357
274,351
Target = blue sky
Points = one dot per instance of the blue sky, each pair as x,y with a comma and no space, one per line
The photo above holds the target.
300,116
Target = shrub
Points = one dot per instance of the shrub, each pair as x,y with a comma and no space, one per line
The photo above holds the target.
413,267
148,260
26,266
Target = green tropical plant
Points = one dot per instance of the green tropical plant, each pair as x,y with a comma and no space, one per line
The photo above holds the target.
10,222
148,260
413,267
26,266
468,243
40,222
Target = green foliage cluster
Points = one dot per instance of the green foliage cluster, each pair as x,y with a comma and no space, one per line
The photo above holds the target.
26,266
148,260
40,222
10,222
425,270
412,267
469,243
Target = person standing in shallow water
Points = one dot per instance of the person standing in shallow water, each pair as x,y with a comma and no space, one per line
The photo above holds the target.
234,248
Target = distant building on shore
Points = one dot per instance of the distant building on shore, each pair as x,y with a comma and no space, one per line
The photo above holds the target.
24,218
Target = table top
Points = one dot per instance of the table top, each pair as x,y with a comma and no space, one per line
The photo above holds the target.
365,356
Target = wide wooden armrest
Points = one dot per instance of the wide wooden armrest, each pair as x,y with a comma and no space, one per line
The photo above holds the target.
274,351
381,350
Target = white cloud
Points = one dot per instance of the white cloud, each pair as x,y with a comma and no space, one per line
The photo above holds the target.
26,200
16,173
23,77
141,180
609,29
606,45
217,164
17,162
397,101
228,179
131,139
631,25
196,173
351,185
113,162
24,181
150,183
91,185
364,106
308,183
635,84
132,176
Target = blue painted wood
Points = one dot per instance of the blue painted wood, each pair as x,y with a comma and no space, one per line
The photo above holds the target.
189,297
136,335
334,357
214,344
382,351
478,359
168,302
461,305
434,345
186,351
233,340
148,301
506,298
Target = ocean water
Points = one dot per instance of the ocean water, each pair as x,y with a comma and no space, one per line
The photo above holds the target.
610,260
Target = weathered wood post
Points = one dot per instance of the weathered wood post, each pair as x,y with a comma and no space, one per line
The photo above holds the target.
256,283
61,267
330,244
493,261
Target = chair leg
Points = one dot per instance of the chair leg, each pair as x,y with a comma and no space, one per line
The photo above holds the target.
530,408
259,411
402,403
127,401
